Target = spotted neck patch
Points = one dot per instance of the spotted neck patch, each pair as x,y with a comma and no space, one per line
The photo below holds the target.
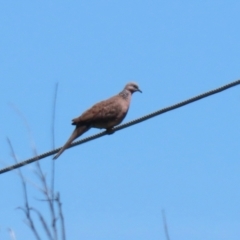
124,94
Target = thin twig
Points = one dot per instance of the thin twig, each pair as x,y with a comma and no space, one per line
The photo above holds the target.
61,216
44,224
53,135
53,115
30,135
165,225
40,173
27,209
48,196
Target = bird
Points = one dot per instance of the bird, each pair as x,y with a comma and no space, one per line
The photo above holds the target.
105,114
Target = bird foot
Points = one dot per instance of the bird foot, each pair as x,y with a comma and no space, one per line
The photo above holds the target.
110,131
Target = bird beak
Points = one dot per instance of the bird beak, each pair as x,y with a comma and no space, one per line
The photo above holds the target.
139,91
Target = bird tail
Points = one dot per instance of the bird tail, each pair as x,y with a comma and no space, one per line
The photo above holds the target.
79,130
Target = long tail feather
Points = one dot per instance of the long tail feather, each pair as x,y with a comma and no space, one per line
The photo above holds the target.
79,130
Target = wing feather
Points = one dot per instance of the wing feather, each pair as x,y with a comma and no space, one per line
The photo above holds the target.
101,112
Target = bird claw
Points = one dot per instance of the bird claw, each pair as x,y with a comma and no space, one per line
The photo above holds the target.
110,131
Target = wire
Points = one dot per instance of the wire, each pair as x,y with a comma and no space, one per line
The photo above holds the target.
122,126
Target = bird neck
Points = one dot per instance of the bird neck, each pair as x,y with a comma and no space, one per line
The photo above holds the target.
125,94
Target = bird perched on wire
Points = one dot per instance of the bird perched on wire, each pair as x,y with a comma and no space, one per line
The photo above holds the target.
105,114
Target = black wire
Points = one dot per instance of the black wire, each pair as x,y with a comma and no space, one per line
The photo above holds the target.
122,126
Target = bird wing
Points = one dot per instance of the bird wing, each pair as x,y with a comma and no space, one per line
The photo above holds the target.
101,112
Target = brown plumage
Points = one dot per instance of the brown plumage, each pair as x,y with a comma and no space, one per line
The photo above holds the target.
105,114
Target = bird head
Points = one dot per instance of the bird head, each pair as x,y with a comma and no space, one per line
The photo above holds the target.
132,87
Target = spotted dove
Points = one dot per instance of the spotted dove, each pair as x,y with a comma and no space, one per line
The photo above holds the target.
105,114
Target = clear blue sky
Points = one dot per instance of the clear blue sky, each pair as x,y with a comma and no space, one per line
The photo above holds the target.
186,161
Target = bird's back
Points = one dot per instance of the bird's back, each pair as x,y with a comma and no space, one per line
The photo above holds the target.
105,114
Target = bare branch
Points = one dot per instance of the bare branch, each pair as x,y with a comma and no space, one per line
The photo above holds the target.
27,208
40,175
44,224
53,136
53,115
53,162
165,225
61,216
30,135
48,195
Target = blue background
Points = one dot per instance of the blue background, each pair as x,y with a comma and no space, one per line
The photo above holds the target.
186,161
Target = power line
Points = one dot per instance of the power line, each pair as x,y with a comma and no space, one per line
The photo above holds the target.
122,126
